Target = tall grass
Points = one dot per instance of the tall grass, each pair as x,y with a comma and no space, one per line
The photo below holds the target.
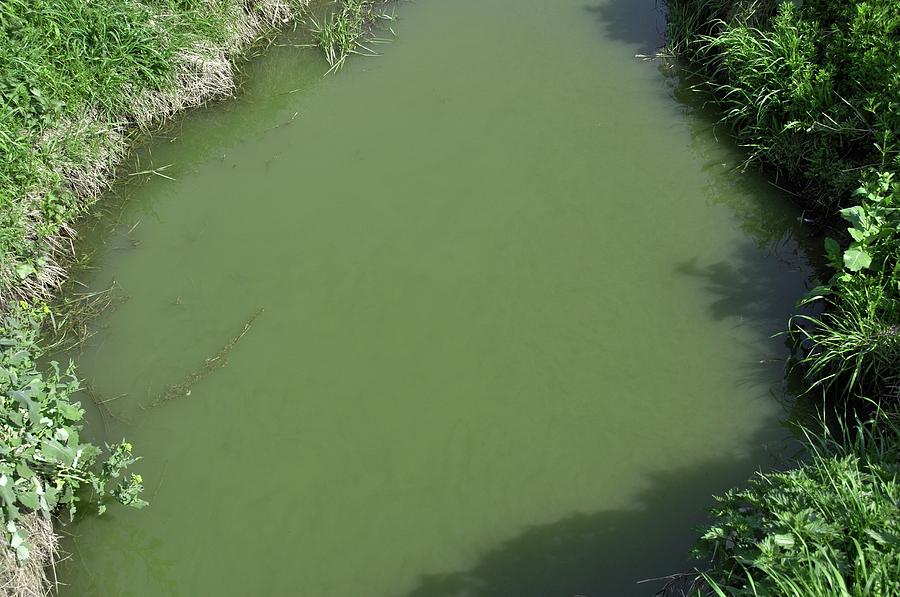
74,76
346,29
812,90
830,527
854,348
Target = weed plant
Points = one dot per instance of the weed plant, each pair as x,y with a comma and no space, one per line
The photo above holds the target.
43,463
830,527
345,29
812,90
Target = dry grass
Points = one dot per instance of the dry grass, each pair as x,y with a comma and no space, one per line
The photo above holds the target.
30,578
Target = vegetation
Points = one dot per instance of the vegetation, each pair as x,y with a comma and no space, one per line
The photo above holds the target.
829,527
76,79
74,75
345,29
43,462
812,90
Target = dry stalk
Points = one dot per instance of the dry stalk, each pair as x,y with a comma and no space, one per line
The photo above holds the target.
217,361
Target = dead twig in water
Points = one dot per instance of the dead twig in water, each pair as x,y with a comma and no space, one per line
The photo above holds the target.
70,330
154,172
212,363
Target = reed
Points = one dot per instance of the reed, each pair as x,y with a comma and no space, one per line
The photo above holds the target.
346,29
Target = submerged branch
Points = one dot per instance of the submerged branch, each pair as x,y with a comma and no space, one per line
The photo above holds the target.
218,360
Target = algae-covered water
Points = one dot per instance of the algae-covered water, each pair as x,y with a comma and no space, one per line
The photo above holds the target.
515,328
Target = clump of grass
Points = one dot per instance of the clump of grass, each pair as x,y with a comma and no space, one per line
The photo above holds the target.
346,29
811,88
829,527
854,348
68,323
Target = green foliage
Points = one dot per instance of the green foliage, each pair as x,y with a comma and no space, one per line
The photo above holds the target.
855,345
811,88
70,71
874,225
830,527
43,462
344,29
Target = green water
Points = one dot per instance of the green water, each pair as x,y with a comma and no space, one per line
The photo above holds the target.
516,326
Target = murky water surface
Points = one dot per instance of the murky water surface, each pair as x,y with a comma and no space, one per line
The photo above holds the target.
515,330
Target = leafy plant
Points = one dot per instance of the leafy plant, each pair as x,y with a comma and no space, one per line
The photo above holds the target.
43,462
830,527
856,343
874,225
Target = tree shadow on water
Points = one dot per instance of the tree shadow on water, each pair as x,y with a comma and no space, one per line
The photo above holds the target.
605,553
753,285
640,23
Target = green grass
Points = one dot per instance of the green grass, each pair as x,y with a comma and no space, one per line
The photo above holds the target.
346,29
75,77
830,527
812,90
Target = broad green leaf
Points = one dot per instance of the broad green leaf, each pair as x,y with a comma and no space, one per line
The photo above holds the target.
29,499
33,407
18,358
8,496
50,494
55,451
72,412
856,259
856,215
783,540
833,252
24,471
23,270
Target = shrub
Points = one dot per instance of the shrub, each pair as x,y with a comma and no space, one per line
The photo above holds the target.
812,89
855,345
830,527
43,463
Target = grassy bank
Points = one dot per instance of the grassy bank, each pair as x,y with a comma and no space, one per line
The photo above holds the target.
812,91
78,79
